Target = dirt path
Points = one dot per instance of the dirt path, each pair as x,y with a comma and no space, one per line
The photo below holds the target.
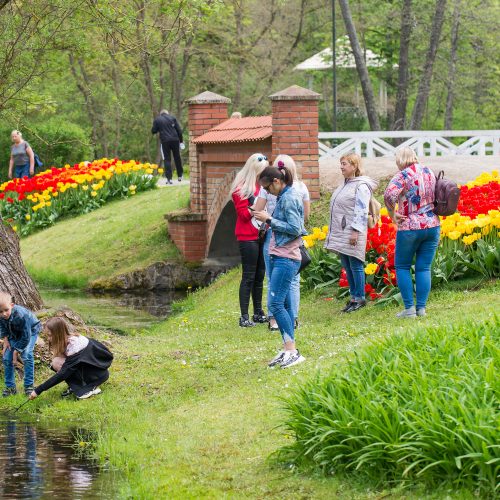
459,168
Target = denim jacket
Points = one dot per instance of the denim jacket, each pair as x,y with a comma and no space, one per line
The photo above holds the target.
287,221
20,326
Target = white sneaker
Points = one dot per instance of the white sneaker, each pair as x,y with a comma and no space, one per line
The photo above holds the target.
89,394
276,360
407,313
292,358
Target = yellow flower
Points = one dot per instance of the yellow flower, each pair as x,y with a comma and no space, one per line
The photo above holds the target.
325,229
14,228
93,194
454,235
27,216
132,187
383,211
85,188
160,170
371,268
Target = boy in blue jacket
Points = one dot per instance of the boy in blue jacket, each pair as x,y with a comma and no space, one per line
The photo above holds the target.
19,329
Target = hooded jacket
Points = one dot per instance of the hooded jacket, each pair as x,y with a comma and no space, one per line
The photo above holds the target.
82,371
348,212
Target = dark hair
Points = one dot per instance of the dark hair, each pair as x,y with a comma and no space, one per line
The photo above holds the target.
282,173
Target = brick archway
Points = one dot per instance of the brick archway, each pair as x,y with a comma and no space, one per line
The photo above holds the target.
219,147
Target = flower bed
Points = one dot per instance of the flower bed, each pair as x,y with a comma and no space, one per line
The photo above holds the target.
470,244
33,203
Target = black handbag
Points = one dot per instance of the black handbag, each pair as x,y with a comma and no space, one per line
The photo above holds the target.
305,258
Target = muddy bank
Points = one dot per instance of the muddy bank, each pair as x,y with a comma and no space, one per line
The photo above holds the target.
162,276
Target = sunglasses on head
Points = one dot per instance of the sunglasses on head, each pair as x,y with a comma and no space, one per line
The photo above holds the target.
261,158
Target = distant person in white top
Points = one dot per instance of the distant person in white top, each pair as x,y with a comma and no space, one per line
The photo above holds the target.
22,158
267,201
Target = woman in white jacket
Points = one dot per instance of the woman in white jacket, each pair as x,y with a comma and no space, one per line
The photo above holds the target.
347,231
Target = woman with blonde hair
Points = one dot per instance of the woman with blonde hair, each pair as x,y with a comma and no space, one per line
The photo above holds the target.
267,201
412,191
348,227
243,191
22,158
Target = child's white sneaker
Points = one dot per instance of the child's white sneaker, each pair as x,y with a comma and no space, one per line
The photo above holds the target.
292,358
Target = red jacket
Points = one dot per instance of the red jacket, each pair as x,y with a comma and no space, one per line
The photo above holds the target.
244,230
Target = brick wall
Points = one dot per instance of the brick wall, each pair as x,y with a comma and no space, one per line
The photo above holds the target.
295,131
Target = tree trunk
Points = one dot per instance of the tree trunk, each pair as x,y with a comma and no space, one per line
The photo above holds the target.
424,86
452,70
399,122
14,278
371,108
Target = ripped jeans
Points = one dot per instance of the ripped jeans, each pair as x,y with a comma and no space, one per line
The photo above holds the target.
282,272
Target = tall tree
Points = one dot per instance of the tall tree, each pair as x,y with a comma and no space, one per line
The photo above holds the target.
364,77
399,122
452,69
14,278
424,86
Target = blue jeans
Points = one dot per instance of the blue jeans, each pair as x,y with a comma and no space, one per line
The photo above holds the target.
355,271
423,244
294,296
28,361
21,171
282,271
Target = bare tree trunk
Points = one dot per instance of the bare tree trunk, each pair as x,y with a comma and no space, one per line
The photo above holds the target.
14,278
399,122
424,86
452,70
371,108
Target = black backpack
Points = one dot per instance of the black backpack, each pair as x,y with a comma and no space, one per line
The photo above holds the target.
446,196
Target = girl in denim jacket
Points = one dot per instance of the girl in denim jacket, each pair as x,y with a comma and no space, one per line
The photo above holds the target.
287,223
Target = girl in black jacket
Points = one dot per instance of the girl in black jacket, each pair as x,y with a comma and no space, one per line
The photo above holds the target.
82,362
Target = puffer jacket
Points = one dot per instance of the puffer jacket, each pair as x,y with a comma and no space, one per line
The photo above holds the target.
341,224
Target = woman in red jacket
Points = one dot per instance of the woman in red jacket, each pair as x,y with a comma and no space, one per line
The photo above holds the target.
244,190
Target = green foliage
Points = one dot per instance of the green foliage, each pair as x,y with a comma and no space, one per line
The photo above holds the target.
324,270
420,407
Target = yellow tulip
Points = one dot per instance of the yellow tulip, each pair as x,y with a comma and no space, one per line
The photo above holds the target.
27,216
371,268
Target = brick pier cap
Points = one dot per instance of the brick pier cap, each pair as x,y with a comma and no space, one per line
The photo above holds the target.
295,93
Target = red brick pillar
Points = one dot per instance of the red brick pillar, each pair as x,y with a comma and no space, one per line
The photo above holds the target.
188,228
295,131
206,110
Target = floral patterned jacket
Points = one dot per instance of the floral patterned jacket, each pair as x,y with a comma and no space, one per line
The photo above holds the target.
412,189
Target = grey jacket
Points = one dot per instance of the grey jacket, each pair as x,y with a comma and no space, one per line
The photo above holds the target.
348,211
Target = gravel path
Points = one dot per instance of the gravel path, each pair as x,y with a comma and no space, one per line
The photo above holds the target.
459,168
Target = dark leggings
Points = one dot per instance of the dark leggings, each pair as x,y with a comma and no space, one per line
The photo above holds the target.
252,279
172,147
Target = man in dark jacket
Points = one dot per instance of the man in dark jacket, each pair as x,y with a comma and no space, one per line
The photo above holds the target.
171,142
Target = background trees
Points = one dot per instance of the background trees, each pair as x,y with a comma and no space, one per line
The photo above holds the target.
83,79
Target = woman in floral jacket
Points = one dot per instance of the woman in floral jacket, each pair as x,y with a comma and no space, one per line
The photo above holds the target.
409,199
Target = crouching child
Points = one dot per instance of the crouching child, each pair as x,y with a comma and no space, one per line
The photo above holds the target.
81,362
19,329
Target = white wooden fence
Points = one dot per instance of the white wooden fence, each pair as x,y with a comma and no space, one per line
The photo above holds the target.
425,143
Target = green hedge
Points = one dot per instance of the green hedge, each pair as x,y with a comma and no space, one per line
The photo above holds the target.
417,408
55,141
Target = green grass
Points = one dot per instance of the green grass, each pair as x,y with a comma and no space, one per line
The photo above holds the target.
418,408
192,411
120,237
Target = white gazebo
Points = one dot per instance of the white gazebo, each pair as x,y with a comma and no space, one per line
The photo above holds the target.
345,59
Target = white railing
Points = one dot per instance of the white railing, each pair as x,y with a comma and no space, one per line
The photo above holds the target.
424,143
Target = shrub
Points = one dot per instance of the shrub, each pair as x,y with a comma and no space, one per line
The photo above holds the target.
415,408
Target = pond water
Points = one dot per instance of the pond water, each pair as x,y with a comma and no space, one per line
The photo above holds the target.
123,312
43,462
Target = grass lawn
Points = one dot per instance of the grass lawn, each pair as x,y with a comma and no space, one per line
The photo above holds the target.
122,236
191,411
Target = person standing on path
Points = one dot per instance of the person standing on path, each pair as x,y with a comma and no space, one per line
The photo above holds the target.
171,142
22,158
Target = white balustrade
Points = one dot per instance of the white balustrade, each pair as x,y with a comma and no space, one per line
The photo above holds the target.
424,143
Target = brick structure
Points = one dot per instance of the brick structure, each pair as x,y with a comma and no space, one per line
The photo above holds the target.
295,131
219,147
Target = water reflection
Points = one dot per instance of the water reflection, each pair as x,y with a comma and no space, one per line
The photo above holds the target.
123,312
37,462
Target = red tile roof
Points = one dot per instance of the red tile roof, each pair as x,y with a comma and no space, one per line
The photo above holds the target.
252,128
